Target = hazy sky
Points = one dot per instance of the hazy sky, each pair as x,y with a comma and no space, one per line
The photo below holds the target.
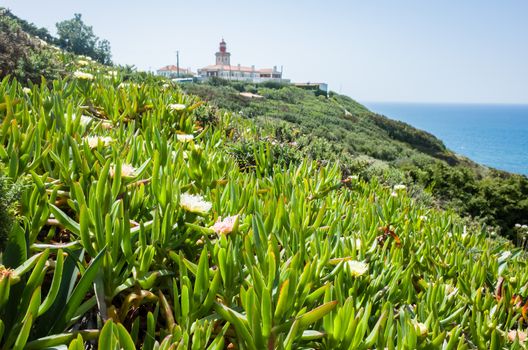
422,51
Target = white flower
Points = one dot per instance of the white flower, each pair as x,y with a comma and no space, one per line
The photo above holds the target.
184,138
85,120
195,203
106,125
394,194
524,226
177,106
423,217
83,75
518,226
464,233
127,170
356,268
420,327
399,187
26,90
353,177
82,63
112,73
93,141
224,226
358,243
124,85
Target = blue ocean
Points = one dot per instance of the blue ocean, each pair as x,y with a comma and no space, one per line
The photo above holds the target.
493,135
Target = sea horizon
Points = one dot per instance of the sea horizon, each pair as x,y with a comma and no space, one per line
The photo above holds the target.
367,103
492,134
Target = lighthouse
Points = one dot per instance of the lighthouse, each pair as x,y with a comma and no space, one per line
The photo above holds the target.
223,58
223,69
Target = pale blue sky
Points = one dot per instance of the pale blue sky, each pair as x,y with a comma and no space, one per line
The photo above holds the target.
421,51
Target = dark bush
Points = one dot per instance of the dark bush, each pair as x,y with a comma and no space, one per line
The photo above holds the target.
22,56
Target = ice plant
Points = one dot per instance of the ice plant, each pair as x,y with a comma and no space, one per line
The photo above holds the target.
356,268
194,203
106,125
127,171
399,187
296,277
83,75
517,334
358,243
420,327
224,226
93,141
7,273
87,58
85,120
184,137
127,84
177,106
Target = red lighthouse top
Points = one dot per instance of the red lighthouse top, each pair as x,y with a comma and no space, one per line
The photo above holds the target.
223,46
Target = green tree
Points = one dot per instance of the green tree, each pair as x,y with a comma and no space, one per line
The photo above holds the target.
77,37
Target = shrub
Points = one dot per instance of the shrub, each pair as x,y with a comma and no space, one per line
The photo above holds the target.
22,56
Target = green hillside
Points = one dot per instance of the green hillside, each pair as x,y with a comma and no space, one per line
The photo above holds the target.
124,188
339,129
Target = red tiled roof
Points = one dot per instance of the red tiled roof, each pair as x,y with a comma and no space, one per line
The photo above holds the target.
237,68
173,68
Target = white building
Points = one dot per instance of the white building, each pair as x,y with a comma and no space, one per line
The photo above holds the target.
172,71
223,69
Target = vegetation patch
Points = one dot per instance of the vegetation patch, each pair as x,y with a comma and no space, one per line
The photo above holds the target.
338,129
149,221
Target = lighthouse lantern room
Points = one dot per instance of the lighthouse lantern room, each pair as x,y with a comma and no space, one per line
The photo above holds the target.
223,58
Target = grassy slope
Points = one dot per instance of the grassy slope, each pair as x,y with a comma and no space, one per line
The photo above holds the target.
350,128
313,262
338,128
288,276
299,227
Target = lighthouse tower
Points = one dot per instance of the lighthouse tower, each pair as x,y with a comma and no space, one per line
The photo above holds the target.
223,58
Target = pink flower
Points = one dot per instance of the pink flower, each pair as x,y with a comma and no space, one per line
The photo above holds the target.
224,226
514,334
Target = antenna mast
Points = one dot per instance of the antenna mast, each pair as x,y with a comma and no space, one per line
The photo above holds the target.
177,63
